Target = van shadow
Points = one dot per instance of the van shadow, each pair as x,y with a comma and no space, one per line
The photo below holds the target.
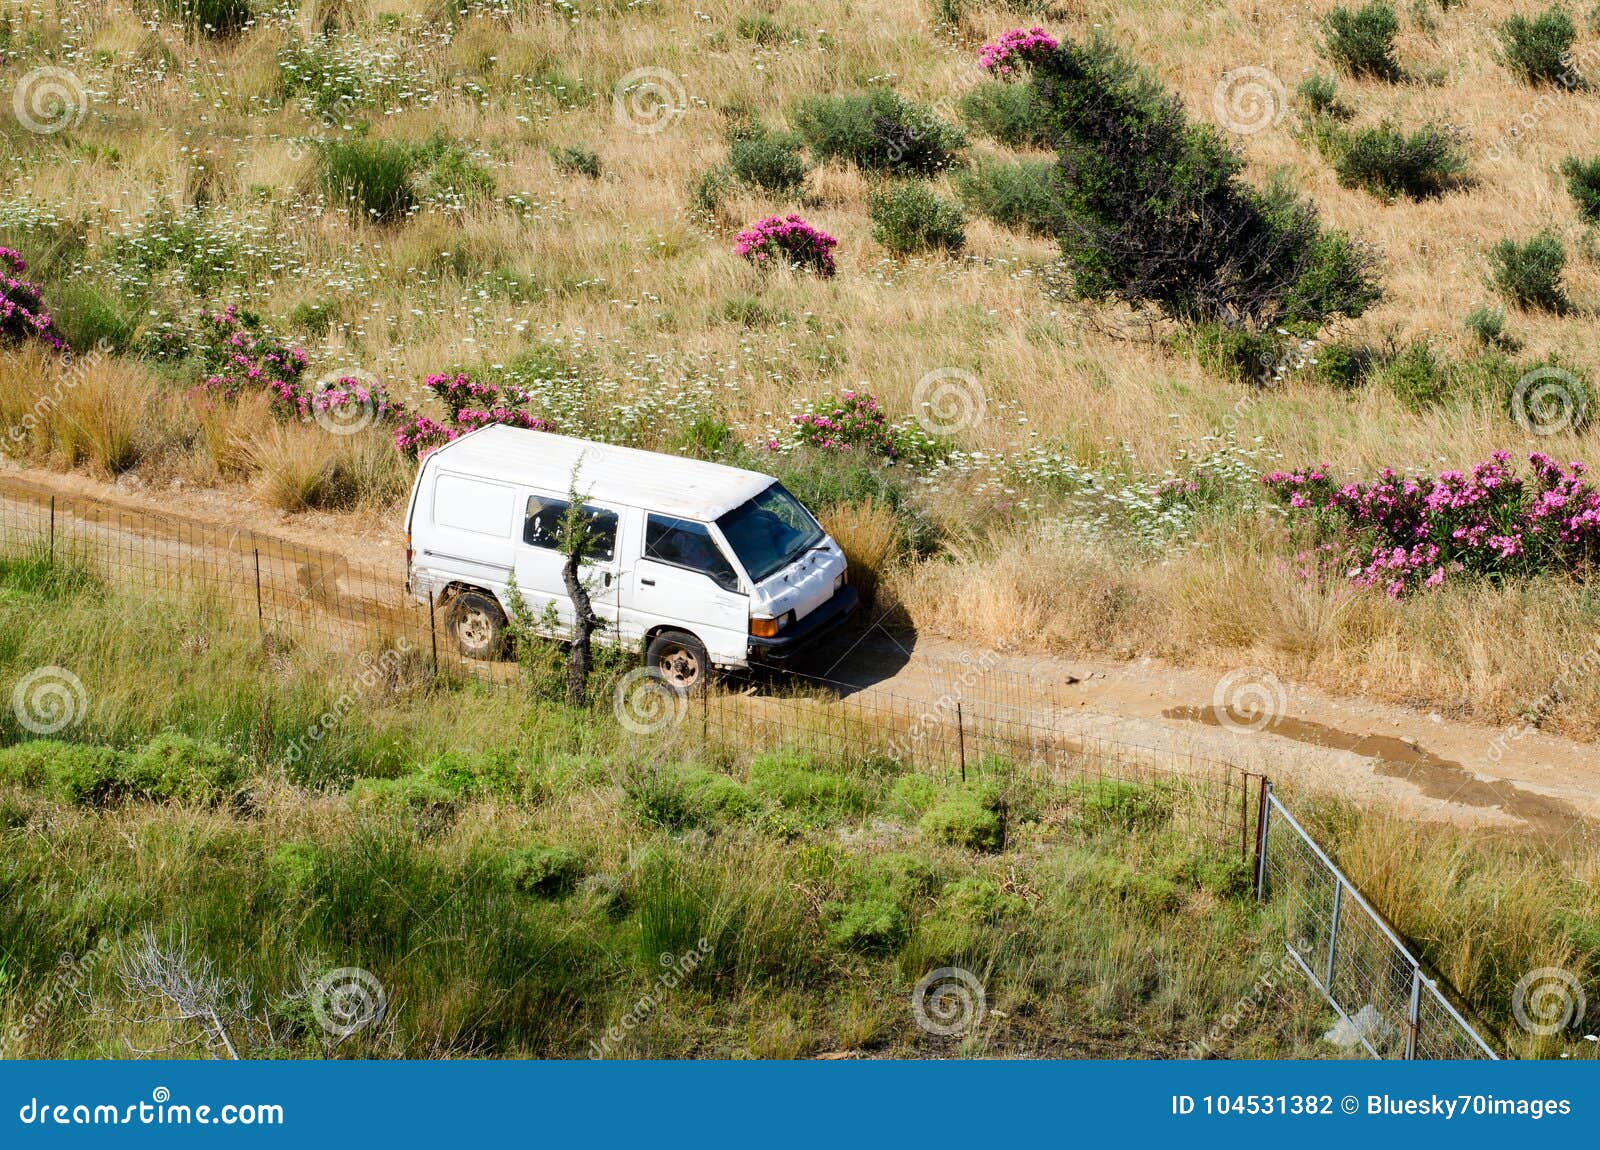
855,658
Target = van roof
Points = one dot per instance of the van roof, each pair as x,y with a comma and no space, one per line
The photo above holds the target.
669,484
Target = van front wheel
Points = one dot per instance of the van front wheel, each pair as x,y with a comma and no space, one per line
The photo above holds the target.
681,659
477,625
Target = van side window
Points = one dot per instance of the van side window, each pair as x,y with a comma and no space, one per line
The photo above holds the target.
542,527
684,543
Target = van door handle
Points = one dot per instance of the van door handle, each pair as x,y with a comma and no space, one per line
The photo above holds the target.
648,582
608,579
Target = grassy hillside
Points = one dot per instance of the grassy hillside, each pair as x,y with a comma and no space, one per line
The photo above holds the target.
538,215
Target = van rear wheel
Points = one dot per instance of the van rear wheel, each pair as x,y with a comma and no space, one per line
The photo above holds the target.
477,625
681,659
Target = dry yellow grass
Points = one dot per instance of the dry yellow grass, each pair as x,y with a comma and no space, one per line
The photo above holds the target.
870,536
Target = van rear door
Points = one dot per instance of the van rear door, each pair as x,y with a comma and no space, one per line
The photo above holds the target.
685,581
540,562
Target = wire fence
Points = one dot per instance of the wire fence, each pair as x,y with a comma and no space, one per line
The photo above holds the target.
1385,1000
973,719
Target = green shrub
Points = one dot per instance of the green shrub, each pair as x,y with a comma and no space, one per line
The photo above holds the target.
1538,50
873,922
293,868
1583,184
373,178
1488,327
879,131
751,311
1012,193
1529,274
417,795
542,871
173,766
1341,364
577,159
711,188
1416,375
1224,875
968,819
1120,883
451,175
210,17
1386,160
65,772
979,902
1362,42
770,161
790,781
1007,113
915,793
908,218
1240,354
88,314
761,28
1321,96
1121,804
500,773
681,796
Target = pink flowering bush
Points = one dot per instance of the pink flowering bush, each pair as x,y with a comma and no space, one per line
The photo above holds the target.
22,311
1402,533
787,239
1016,48
469,404
852,422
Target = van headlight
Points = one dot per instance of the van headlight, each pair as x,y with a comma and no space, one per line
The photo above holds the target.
769,628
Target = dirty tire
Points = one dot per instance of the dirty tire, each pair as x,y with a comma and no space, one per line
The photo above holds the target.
681,659
477,625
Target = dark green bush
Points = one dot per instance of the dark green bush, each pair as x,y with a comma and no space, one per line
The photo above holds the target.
1416,375
373,178
88,315
969,818
1241,354
1362,42
1529,274
792,782
879,131
1012,193
1341,364
1385,160
66,772
1007,113
1583,184
1321,96
1488,327
168,767
908,218
713,185
173,766
819,479
542,871
770,161
1539,49
1154,209
577,159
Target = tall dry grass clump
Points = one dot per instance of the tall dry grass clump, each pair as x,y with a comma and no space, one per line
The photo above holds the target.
293,468
91,409
869,534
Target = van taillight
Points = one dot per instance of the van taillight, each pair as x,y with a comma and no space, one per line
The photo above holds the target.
408,550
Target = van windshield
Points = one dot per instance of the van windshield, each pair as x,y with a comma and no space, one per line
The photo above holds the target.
770,532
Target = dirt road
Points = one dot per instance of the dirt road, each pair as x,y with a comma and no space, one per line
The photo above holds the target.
1412,762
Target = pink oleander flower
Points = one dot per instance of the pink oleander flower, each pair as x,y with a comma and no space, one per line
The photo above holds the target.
789,239
1016,48
22,312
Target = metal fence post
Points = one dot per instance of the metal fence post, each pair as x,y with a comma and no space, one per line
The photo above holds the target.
433,635
261,621
1262,819
961,740
1333,931
1414,1012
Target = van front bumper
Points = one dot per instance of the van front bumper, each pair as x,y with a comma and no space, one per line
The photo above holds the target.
808,631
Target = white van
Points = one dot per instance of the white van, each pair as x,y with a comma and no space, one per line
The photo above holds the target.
697,565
